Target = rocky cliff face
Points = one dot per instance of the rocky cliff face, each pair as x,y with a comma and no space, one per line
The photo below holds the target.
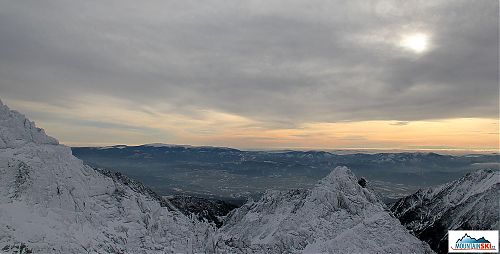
210,210
468,203
50,202
338,215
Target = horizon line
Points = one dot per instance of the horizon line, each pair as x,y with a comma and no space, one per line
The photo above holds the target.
489,150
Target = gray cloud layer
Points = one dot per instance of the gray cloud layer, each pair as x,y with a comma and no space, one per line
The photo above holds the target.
276,61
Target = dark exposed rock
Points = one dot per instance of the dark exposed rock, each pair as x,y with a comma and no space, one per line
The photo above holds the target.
470,203
204,209
362,182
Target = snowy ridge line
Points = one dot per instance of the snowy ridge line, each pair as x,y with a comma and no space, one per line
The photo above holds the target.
469,203
50,202
337,215
138,187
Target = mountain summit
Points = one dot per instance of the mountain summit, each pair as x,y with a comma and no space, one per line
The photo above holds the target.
50,202
16,130
338,215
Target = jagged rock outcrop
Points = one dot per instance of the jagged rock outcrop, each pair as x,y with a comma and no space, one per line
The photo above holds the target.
336,216
210,210
50,202
17,131
469,203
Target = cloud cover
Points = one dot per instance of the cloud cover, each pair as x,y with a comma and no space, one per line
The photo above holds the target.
281,63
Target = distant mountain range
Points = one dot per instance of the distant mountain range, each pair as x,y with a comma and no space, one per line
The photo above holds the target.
50,202
235,175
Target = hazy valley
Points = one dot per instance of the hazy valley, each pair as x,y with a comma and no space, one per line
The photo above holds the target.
52,202
234,175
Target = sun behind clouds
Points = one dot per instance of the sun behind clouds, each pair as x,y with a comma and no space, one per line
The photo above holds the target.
416,42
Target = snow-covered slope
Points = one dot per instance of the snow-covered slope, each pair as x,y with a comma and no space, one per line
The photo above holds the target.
336,216
50,202
470,202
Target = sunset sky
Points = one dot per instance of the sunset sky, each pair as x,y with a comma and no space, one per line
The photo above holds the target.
256,74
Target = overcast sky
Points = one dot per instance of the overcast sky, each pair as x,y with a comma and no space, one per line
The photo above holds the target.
252,73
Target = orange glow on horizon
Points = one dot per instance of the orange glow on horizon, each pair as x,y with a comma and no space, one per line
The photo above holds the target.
128,125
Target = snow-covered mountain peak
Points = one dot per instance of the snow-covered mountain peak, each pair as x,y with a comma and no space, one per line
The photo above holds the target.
470,202
50,202
342,180
339,174
337,215
16,130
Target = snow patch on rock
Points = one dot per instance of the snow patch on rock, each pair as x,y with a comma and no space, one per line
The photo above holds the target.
470,202
51,202
337,215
